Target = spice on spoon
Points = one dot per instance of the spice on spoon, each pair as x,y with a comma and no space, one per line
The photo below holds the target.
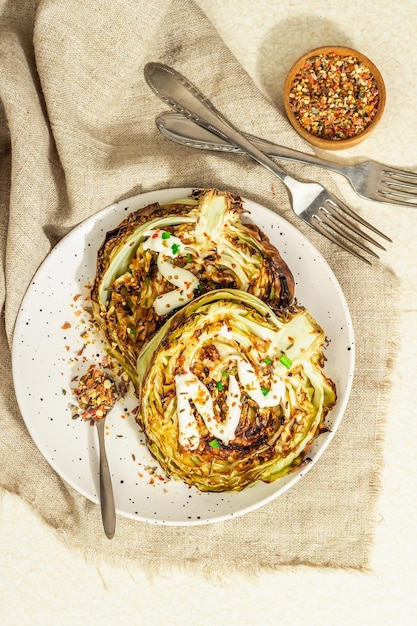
333,96
96,393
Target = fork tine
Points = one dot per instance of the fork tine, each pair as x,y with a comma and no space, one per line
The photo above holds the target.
346,209
397,174
332,207
332,224
395,186
399,186
396,198
402,190
318,225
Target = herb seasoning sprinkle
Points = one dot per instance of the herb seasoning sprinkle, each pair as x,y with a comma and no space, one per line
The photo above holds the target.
334,97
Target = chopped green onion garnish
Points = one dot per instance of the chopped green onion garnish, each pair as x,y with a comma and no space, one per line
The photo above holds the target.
214,443
219,385
189,258
175,248
265,391
268,361
285,361
166,235
225,374
199,287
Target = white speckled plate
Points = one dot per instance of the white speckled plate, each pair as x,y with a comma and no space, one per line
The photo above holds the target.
48,336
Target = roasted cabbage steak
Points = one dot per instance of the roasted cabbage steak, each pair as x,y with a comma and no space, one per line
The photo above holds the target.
231,392
163,256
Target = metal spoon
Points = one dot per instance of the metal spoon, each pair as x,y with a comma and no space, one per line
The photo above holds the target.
97,394
108,510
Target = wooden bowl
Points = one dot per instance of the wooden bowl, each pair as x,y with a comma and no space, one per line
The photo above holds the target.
316,124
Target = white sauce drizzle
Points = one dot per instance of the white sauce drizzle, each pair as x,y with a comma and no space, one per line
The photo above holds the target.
253,388
234,406
189,387
168,246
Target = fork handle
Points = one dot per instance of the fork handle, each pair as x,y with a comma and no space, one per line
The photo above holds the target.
185,98
185,131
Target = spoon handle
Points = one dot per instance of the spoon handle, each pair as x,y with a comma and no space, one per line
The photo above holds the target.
185,98
186,132
108,511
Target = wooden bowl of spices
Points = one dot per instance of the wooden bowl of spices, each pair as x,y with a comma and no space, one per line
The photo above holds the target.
334,97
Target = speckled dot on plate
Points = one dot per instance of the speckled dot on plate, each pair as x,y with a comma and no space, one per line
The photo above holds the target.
48,339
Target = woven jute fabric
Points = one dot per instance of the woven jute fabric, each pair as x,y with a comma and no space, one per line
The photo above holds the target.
77,133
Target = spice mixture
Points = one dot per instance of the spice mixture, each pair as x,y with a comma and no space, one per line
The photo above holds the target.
334,97
96,394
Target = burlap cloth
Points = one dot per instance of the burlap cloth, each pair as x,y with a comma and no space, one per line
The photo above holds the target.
77,134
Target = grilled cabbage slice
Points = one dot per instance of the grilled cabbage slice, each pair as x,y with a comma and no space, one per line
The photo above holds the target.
162,256
231,393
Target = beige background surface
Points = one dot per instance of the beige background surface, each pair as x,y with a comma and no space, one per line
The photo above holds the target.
44,583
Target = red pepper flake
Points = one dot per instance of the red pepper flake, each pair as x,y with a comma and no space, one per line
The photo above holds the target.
81,350
334,97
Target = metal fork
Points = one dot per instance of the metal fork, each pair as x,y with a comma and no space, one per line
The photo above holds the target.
310,201
370,180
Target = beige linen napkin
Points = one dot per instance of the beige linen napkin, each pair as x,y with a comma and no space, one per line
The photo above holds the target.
77,133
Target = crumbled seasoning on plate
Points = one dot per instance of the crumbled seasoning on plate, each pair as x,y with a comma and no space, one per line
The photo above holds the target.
104,382
334,97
